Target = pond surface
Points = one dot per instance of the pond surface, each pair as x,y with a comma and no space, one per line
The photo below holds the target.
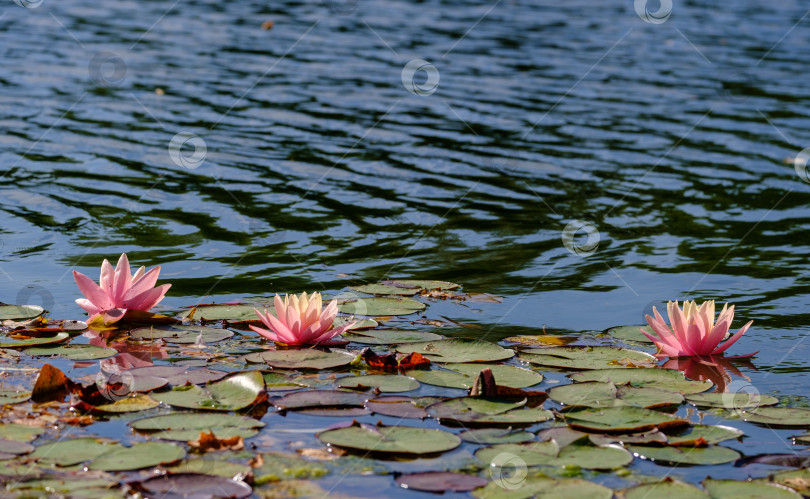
315,154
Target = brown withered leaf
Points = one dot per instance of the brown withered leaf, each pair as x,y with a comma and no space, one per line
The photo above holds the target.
322,454
485,386
51,384
209,442
393,362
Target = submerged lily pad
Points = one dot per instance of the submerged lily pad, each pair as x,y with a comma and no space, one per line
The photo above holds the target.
460,375
180,334
390,336
141,455
383,383
232,393
302,359
74,352
402,440
625,419
11,397
733,489
671,489
587,357
631,333
731,401
665,379
188,426
381,306
458,350
549,454
20,312
194,485
520,487
598,394
9,342
383,289
713,454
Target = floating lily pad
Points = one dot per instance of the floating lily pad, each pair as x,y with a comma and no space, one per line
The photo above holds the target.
733,489
64,486
698,435
74,451
549,454
19,432
401,407
490,436
731,401
230,313
424,284
631,333
74,352
458,350
671,489
390,336
713,454
382,289
520,487
302,359
341,321
390,384
587,357
799,439
278,466
20,312
135,403
779,416
626,419
188,426
13,397
665,379
194,485
598,394
440,481
795,479
232,393
14,447
225,469
462,375
401,440
482,411
180,334
9,342
321,398
381,306
142,455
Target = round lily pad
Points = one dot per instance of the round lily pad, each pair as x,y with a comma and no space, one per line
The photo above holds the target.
458,350
188,426
64,486
136,403
731,401
482,411
320,398
779,416
598,394
142,455
20,312
194,485
400,440
232,393
625,419
213,467
73,352
665,379
230,313
389,336
460,375
587,357
401,407
549,454
733,489
73,451
631,333
698,435
9,342
521,487
390,384
180,334
713,454
19,432
15,447
671,489
795,479
341,321
380,306
13,397
384,289
302,359
490,436
440,481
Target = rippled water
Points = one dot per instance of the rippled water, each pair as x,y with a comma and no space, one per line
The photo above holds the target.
316,167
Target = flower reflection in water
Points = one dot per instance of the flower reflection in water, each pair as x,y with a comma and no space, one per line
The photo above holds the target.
715,368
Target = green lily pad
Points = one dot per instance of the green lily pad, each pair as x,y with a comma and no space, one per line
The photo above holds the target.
14,447
671,489
302,359
65,486
230,313
733,489
520,487
73,451
279,466
710,434
135,403
462,375
625,419
587,357
483,411
19,432
400,440
424,284
380,306
795,479
799,439
341,321
179,334
139,456
231,393
390,336
731,401
549,454
210,467
598,394
458,350
490,436
188,426
20,312
11,397
779,416
382,289
320,398
401,407
385,384
631,333
713,454
665,379
73,352
9,342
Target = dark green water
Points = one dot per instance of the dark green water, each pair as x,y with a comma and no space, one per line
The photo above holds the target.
321,169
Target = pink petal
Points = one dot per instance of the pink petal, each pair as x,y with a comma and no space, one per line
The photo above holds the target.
107,277
88,306
145,283
281,309
716,336
328,335
147,299
678,321
330,312
264,332
92,291
722,348
278,327
114,315
293,321
123,280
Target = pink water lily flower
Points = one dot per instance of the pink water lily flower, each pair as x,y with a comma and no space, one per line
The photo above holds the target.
300,320
118,290
693,330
